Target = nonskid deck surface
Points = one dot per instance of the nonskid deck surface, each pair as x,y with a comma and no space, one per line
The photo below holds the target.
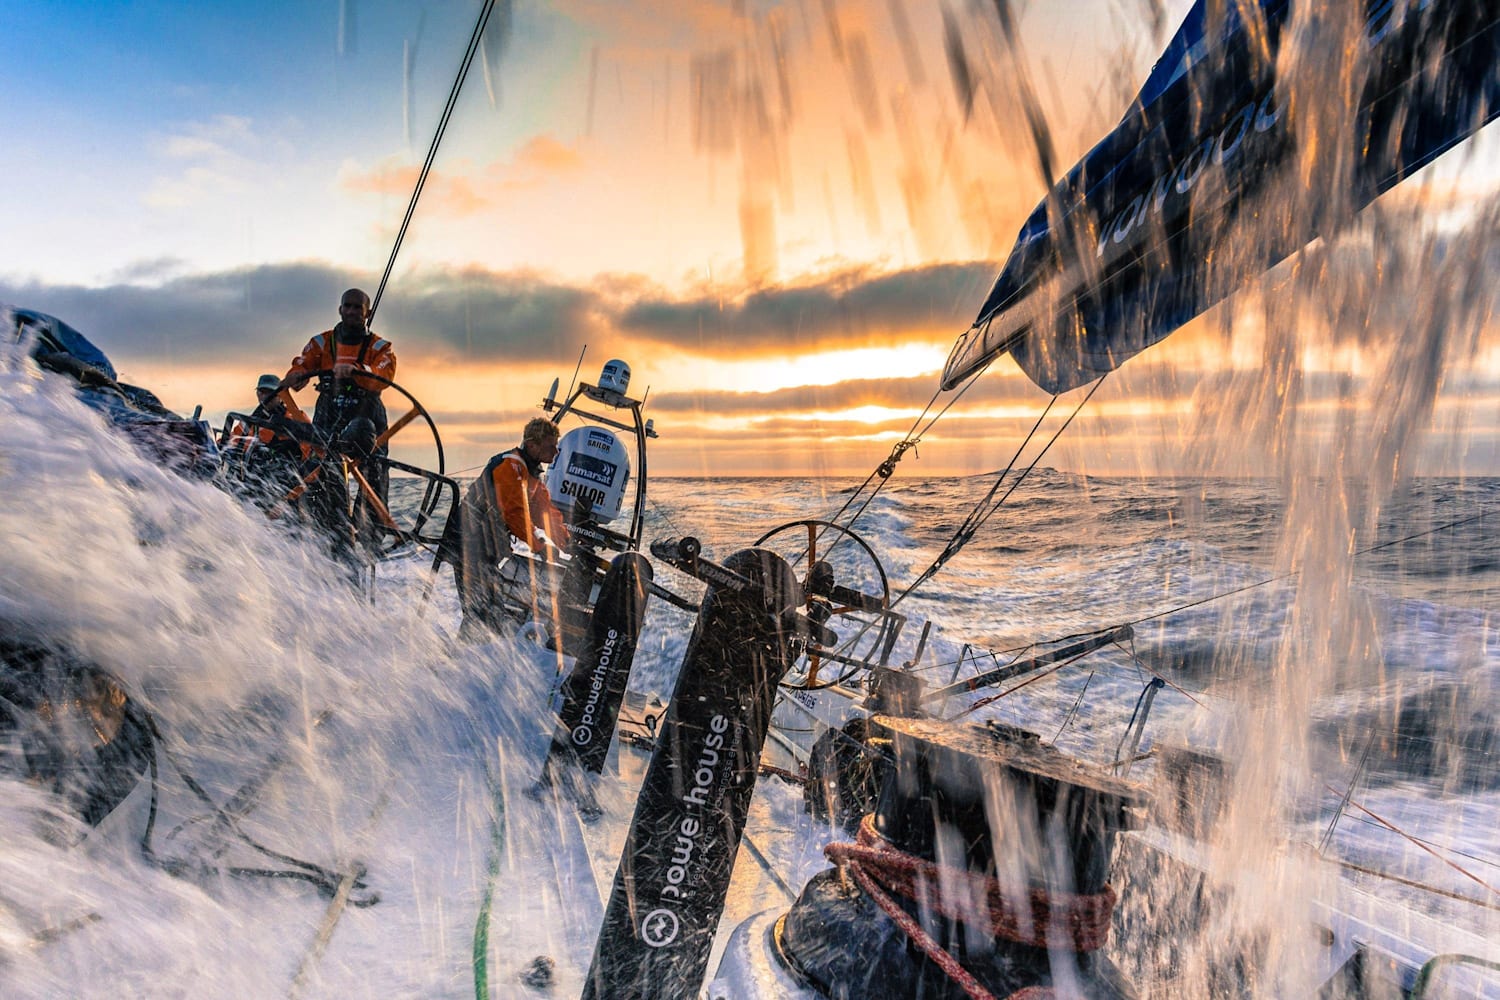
543,901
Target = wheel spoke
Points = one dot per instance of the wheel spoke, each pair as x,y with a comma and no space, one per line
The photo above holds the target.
373,499
392,430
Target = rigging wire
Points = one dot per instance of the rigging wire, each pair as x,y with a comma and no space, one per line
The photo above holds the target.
898,451
1400,832
982,511
1448,848
1073,712
1338,813
885,469
1140,663
411,208
987,507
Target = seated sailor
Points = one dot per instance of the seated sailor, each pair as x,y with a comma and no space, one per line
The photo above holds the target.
277,408
506,507
267,450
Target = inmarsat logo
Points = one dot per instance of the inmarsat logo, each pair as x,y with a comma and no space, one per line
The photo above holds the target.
660,928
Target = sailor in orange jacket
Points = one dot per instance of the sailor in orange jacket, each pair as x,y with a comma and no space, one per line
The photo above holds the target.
348,350
274,406
508,500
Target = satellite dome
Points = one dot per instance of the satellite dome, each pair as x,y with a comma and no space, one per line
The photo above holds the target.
615,377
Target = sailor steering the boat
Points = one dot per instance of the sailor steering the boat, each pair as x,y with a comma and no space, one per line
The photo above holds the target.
351,352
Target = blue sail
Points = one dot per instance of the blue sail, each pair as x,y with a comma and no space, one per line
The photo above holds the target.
1167,214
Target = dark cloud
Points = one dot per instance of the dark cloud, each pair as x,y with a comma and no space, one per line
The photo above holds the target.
159,269
241,317
254,315
852,303
492,317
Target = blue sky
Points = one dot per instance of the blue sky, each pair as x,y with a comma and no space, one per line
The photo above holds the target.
212,135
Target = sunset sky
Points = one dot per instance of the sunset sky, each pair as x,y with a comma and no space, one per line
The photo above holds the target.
779,214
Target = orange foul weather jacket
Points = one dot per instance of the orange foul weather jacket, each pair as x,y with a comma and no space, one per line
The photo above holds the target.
507,499
323,352
240,434
523,500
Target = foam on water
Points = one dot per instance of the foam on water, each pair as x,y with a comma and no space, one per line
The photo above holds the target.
237,635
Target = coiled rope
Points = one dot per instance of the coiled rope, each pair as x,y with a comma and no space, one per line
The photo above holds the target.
327,881
1046,920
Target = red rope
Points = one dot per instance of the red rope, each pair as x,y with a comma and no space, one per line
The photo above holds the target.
1402,833
880,869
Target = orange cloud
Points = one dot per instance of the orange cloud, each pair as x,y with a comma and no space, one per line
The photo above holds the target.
655,24
540,158
445,193
461,189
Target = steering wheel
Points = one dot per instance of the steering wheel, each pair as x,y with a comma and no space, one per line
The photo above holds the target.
329,453
841,576
395,426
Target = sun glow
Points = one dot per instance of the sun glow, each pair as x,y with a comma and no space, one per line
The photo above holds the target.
820,368
870,414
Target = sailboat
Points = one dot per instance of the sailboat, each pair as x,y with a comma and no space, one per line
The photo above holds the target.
783,608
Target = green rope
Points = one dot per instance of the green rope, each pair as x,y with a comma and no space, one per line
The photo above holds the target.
482,924
1430,969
